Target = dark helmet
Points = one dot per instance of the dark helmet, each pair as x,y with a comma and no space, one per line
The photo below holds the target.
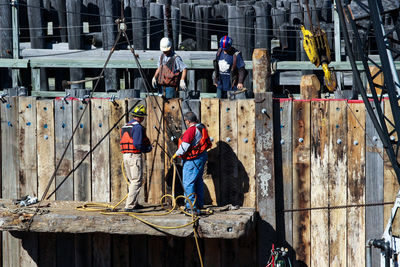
225,42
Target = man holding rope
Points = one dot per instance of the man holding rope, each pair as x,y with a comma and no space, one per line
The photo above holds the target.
192,148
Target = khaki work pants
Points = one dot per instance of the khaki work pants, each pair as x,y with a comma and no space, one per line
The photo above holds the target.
133,170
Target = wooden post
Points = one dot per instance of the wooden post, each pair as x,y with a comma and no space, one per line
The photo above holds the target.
15,39
265,177
261,71
309,87
6,44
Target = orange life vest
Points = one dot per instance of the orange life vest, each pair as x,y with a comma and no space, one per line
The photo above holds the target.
126,143
203,145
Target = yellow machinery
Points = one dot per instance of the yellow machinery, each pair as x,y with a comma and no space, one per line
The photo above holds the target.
316,45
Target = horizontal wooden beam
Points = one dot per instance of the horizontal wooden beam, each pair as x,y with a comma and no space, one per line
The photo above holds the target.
62,217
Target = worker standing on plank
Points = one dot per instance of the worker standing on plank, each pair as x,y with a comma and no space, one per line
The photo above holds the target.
229,68
133,143
192,148
171,71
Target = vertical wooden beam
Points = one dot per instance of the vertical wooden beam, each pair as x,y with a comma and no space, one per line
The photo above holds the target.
63,133
28,178
156,251
81,145
119,187
337,181
138,250
10,170
265,179
210,117
83,250
309,87
101,249
45,145
231,190
101,155
246,151
301,180
172,132
120,250
390,185
374,186
319,182
356,184
212,251
47,249
155,159
261,71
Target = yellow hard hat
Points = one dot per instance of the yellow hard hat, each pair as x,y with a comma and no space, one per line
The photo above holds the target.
139,111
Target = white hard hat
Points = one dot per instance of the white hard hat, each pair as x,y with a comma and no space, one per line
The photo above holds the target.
165,44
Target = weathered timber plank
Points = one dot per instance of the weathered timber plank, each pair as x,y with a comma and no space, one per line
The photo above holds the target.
212,252
81,145
119,187
301,180
83,250
45,145
101,249
374,186
11,246
65,252
231,191
246,151
101,155
156,251
191,254
174,251
337,181
120,250
390,184
47,249
319,182
28,180
210,118
155,159
265,177
172,132
283,166
356,184
138,250
63,132
64,218
27,146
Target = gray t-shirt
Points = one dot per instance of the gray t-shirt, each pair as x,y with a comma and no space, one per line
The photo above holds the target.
179,64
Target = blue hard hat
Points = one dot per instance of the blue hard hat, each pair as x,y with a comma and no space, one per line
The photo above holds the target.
225,42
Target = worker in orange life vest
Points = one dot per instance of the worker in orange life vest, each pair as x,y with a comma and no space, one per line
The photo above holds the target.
133,143
192,148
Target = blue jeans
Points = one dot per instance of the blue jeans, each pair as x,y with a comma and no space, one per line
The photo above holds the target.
222,93
193,180
169,91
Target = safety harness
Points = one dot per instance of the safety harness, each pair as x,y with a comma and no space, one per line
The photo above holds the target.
167,76
126,142
203,145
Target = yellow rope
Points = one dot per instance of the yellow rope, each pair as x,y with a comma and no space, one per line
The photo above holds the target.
111,210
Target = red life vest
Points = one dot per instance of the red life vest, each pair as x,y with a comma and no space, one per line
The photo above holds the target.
126,143
203,145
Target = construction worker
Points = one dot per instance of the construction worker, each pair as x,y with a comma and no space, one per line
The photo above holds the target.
133,143
171,71
192,148
229,68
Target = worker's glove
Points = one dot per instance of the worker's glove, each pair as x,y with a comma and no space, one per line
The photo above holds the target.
240,86
154,82
173,158
182,85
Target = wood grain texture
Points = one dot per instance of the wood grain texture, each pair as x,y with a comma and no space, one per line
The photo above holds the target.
210,117
45,145
119,187
101,190
81,145
155,159
337,181
47,249
356,184
102,250
374,186
319,182
63,132
246,151
301,180
231,190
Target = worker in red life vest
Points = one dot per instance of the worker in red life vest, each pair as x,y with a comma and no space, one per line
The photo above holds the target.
192,148
229,68
133,143
171,71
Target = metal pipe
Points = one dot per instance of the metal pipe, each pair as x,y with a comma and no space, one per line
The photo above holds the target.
368,253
